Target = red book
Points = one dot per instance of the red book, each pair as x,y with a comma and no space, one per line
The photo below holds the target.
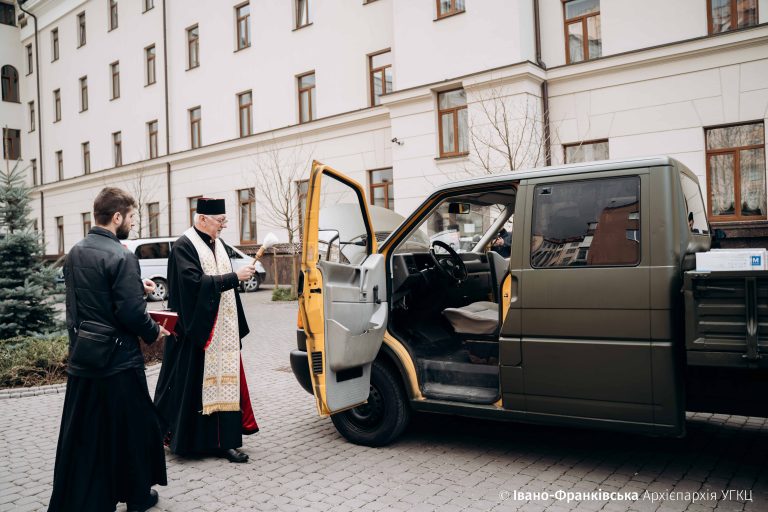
166,319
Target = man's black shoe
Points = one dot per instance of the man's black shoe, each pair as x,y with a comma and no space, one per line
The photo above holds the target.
150,502
234,455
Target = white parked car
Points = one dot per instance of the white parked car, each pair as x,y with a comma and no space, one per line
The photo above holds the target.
153,260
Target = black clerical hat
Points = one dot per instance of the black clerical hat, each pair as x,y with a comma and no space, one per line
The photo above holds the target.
207,206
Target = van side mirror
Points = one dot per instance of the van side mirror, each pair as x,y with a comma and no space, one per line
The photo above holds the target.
458,208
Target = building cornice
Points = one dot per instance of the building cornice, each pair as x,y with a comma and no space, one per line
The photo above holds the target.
741,39
253,143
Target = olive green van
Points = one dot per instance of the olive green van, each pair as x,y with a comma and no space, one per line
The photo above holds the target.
550,296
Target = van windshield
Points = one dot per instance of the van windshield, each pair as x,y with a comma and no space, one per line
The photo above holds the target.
464,222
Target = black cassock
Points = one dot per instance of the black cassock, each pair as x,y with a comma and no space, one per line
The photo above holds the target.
195,297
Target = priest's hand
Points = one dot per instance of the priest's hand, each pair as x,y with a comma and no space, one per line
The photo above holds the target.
162,334
149,286
245,273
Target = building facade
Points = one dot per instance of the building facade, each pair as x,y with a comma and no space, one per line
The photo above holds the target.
174,99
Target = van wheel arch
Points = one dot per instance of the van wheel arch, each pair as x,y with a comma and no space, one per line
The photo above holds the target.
385,415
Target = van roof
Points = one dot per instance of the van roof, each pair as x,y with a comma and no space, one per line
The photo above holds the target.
561,170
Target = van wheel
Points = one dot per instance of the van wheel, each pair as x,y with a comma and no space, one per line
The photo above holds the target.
383,418
161,290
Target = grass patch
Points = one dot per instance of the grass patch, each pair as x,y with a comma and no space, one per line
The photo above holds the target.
283,294
33,361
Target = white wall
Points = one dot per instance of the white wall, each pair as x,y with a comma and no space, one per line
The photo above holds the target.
628,26
489,34
12,115
663,110
335,46
128,114
654,101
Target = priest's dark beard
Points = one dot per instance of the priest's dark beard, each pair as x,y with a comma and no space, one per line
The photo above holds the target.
124,230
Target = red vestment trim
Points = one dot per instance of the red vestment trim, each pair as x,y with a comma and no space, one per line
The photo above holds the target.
249,421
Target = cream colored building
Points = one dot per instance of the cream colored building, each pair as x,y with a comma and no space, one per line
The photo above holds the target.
193,98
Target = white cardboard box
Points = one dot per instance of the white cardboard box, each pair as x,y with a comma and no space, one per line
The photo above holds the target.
731,259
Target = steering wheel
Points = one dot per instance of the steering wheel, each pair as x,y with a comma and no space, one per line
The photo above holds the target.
451,267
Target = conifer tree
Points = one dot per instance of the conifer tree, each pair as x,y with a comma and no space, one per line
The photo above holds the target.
27,284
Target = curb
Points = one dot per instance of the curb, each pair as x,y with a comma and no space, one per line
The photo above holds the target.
53,389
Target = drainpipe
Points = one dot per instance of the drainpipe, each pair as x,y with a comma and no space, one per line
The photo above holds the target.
167,123
39,108
544,85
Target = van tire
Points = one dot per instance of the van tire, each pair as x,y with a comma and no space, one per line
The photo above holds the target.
383,418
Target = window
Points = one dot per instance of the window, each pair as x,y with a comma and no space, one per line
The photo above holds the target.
302,186
83,94
60,164
195,130
7,14
582,30
11,144
153,214
117,145
586,223
586,151
153,251
86,157
112,14
31,116
449,7
380,66
307,97
193,208
243,14
152,131
86,223
694,205
381,189
302,13
247,201
452,123
115,72
60,234
725,15
149,54
54,45
193,47
33,165
149,4
56,106
30,61
244,104
81,29
736,172
10,83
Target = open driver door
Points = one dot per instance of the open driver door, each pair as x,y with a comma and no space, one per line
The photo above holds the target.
343,303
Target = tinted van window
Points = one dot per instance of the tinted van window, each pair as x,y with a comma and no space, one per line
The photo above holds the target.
151,251
586,223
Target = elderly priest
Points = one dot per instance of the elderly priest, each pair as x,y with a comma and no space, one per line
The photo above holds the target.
202,390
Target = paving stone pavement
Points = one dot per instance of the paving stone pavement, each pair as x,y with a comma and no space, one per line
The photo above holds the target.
441,463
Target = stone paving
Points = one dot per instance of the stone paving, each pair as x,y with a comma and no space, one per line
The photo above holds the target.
299,462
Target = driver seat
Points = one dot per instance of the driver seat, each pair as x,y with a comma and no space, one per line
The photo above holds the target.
481,317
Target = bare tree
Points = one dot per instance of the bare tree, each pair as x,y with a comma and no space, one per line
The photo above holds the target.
277,170
506,132
141,188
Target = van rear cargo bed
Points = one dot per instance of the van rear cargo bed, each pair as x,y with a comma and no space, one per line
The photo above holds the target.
726,318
